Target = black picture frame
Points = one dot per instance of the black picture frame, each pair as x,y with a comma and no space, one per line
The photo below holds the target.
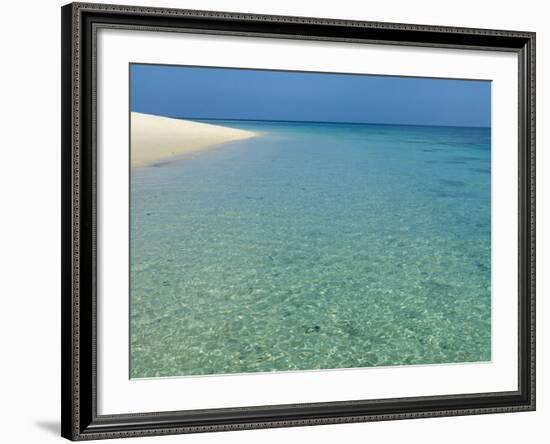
80,420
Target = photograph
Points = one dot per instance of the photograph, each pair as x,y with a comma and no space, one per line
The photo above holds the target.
275,222
285,221
277,218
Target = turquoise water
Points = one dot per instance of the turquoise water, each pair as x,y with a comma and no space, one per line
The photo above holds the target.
313,246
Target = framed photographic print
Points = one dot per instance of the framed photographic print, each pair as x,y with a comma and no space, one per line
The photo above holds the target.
279,221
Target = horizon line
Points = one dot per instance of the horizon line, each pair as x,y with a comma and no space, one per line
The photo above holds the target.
319,121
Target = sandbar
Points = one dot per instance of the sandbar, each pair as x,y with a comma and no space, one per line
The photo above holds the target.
156,139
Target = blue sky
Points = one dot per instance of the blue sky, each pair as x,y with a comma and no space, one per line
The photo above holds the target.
221,93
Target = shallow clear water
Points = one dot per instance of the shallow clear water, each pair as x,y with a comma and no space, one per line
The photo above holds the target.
313,246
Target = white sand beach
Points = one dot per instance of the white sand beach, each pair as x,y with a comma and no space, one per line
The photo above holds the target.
156,138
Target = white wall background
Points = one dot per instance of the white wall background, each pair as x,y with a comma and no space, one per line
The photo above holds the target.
30,218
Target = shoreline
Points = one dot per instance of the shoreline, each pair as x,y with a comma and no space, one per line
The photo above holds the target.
158,138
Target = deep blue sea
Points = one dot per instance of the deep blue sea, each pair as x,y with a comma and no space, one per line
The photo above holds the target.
313,246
